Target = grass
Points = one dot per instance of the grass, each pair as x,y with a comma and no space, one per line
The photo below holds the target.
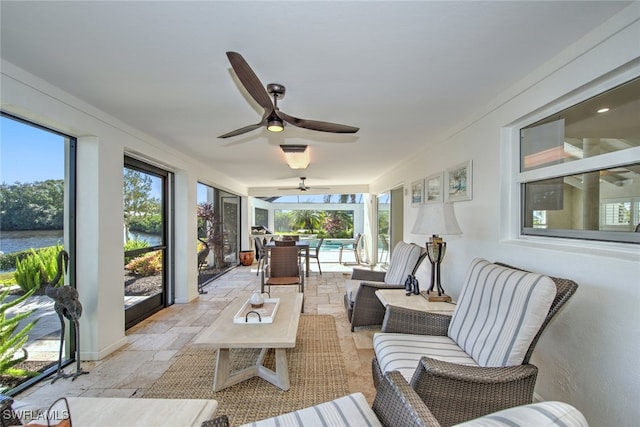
7,279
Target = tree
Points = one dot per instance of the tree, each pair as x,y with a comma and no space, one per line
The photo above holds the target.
209,222
32,206
338,223
138,202
307,220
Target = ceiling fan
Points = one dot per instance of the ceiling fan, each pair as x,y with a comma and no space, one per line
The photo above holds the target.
273,118
302,186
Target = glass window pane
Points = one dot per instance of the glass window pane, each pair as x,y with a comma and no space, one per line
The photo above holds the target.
605,200
606,123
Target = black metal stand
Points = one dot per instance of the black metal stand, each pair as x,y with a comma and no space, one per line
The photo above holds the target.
436,250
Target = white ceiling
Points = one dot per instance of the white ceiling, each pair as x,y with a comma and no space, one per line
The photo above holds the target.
404,72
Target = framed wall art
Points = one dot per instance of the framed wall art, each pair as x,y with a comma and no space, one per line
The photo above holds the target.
417,192
433,188
459,182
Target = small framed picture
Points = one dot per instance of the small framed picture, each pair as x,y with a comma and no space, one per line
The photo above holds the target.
433,188
417,192
459,183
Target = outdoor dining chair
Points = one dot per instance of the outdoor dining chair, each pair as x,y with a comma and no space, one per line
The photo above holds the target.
283,268
315,253
353,245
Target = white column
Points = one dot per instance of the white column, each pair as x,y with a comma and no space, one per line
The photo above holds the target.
100,246
186,242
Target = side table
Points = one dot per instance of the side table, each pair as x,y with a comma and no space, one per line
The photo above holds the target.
399,298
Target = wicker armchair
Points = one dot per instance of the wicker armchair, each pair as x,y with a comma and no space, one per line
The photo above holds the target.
397,404
363,307
454,385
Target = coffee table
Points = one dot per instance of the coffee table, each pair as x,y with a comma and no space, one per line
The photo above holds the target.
224,334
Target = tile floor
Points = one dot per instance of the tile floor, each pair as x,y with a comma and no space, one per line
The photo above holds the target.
153,344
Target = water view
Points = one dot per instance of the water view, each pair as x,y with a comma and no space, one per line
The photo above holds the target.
15,241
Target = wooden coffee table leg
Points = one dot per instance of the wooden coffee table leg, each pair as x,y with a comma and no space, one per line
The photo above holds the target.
279,377
221,374
223,377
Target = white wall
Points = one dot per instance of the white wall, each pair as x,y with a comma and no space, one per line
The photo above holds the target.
102,143
588,354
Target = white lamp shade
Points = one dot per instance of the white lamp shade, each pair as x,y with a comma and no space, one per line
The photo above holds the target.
436,219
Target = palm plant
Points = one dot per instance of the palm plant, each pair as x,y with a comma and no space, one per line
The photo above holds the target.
305,219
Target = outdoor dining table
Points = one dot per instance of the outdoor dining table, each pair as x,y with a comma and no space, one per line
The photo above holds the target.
302,245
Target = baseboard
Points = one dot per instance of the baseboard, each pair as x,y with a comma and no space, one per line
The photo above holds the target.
93,356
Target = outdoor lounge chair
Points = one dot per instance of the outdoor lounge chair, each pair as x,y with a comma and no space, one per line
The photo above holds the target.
363,306
476,361
397,404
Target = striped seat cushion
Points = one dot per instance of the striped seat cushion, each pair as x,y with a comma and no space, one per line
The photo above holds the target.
500,311
352,410
403,261
541,414
402,352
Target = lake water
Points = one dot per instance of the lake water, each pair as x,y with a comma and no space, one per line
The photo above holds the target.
15,241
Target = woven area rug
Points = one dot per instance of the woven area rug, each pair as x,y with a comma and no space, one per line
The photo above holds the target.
316,373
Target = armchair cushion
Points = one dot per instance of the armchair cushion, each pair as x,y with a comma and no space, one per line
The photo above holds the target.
536,414
403,262
402,352
351,410
499,313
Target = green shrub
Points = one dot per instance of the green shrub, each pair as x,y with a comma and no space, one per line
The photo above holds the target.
38,268
12,339
147,264
133,245
150,224
8,261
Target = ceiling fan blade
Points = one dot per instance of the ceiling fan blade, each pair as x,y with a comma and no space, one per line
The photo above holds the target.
240,131
247,128
249,80
317,125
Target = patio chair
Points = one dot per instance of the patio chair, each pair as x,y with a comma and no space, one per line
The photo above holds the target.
353,245
397,404
384,247
315,253
283,268
202,263
260,253
476,361
363,306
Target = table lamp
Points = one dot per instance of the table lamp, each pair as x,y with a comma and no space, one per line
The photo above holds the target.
436,219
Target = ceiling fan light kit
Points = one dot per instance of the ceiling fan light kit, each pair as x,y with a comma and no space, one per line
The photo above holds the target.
297,156
274,124
273,118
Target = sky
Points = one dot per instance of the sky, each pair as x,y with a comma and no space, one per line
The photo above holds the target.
29,154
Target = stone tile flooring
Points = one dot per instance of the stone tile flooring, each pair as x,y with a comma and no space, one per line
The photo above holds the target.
153,344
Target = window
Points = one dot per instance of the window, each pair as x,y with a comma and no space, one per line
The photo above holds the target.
580,169
37,211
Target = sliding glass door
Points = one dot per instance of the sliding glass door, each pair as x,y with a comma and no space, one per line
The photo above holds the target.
146,240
